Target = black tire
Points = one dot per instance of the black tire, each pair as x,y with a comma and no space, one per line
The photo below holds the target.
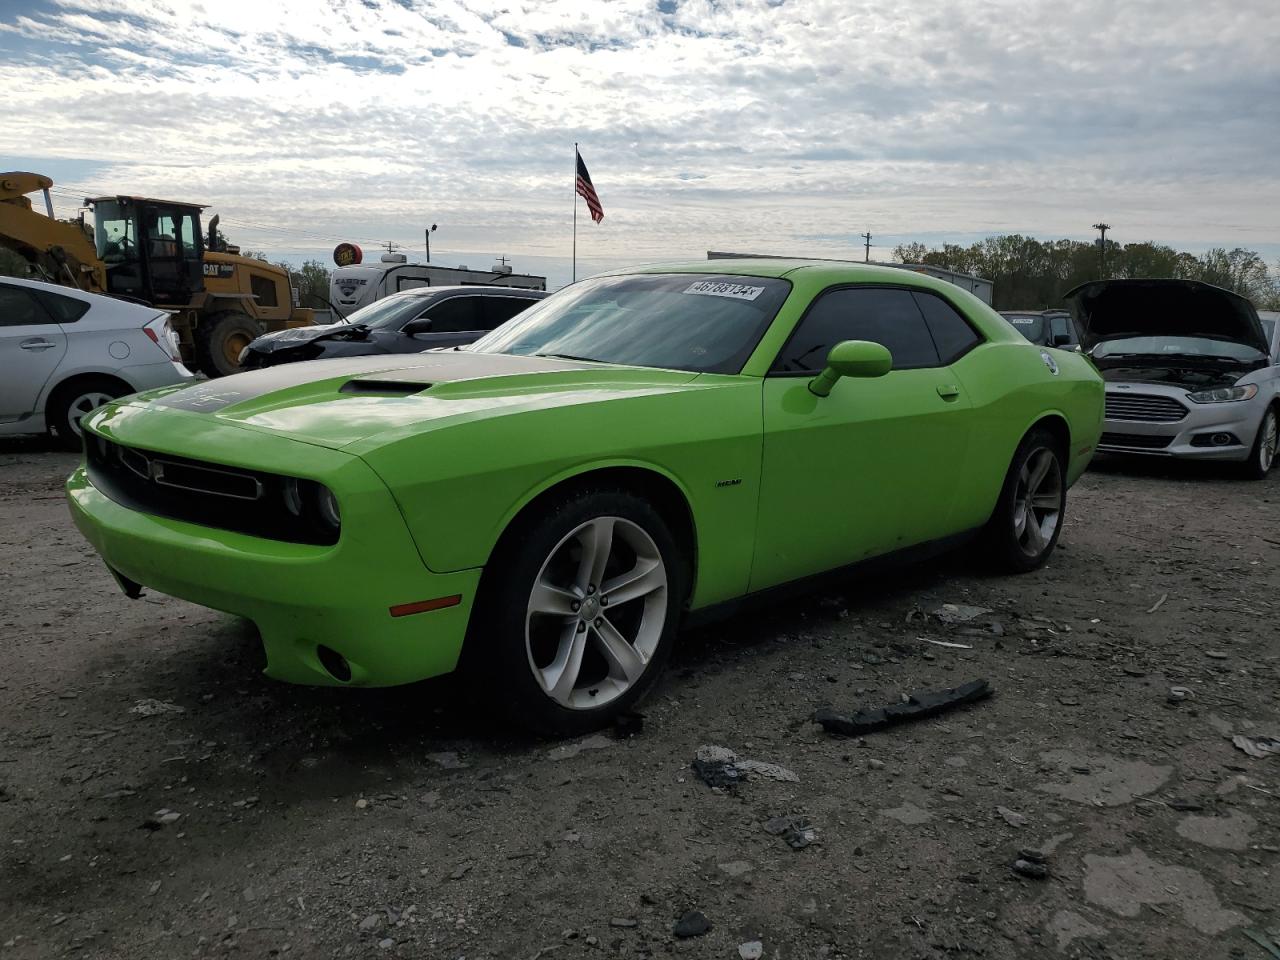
505,645
1010,542
1261,460
219,338
72,400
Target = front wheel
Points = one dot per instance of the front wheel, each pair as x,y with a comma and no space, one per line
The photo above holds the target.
1263,454
72,402
579,612
1025,525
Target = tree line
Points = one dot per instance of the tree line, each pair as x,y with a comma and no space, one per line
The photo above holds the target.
1031,274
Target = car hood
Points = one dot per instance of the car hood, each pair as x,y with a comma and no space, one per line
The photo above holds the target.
293,337
339,402
1114,309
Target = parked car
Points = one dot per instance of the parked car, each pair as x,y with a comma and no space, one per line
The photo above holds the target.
408,322
1049,328
64,353
1191,370
636,448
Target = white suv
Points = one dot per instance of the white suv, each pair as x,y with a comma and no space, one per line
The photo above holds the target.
63,353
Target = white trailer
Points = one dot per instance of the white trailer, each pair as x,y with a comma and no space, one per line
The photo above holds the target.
353,287
978,286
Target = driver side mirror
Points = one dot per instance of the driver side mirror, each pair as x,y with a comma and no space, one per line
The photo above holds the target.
420,325
852,358
1061,339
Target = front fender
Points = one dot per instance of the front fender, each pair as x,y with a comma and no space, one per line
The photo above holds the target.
459,487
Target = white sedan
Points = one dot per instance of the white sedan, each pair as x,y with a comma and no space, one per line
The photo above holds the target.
64,352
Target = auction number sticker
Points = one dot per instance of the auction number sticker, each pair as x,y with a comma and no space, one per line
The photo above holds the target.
718,288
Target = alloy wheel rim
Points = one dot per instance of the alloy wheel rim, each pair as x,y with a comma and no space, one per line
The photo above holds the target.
1267,449
84,405
596,613
1037,503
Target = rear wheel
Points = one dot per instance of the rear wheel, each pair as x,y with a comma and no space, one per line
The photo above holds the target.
1027,521
219,340
71,402
578,613
1263,455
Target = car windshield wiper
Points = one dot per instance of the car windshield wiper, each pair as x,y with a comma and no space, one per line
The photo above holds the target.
568,356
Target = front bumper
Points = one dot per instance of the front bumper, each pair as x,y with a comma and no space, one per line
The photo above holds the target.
300,596
1189,437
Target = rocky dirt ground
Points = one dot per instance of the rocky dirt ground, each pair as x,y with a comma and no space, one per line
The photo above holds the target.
159,798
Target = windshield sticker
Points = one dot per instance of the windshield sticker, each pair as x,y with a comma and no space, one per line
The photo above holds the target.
717,288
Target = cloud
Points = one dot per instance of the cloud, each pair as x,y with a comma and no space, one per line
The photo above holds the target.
706,123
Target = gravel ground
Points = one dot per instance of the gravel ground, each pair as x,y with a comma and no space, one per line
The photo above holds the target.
159,798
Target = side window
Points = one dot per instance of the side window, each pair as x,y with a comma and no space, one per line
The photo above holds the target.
885,316
18,308
63,309
454,315
190,249
951,332
498,310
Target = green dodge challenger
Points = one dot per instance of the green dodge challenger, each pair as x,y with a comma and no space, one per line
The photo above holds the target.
543,508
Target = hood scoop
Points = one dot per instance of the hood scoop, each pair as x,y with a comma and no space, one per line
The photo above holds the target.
384,388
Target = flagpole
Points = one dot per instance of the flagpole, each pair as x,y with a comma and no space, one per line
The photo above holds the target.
575,212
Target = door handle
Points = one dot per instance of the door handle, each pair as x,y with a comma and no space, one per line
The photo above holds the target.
948,391
37,344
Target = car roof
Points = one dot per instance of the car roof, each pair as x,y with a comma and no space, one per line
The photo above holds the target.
466,288
72,292
820,272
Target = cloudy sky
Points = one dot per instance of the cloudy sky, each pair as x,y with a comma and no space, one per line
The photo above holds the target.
763,125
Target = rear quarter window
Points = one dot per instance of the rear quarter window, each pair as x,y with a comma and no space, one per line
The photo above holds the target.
62,309
951,332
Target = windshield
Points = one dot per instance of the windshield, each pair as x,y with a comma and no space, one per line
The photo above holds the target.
113,230
697,322
1177,346
1031,326
390,312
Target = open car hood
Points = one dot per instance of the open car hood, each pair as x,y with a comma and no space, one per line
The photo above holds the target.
1114,309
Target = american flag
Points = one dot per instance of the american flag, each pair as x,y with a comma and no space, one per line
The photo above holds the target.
588,191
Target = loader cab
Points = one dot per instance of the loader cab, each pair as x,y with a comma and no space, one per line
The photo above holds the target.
152,249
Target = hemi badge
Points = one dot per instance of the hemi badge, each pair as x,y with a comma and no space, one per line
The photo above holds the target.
729,483
422,606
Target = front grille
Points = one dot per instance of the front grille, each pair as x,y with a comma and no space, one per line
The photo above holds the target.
1137,441
210,494
1142,406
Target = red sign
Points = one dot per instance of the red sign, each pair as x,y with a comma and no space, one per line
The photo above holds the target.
347,254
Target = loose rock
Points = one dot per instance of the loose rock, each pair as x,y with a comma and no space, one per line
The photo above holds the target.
692,924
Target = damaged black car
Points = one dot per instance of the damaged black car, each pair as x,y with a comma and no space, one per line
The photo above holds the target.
407,322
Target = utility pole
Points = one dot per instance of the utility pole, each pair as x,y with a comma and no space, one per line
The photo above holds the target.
1102,229
391,246
427,234
867,237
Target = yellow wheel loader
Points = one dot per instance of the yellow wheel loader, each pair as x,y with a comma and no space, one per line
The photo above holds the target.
154,252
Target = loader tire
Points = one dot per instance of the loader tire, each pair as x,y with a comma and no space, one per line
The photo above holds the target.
219,338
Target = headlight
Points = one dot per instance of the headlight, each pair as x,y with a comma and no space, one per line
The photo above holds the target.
328,505
311,503
292,497
1225,394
